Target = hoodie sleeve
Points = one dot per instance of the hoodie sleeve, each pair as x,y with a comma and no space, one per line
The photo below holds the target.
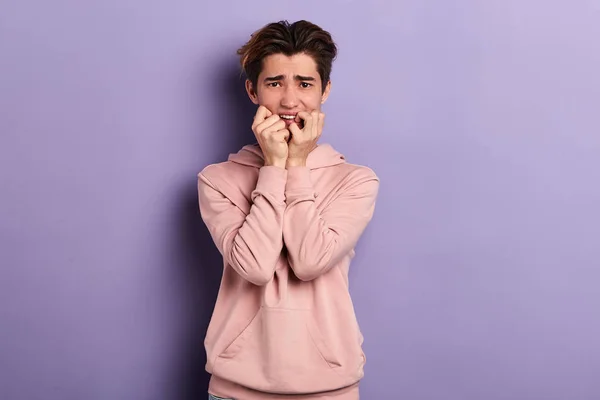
251,243
318,240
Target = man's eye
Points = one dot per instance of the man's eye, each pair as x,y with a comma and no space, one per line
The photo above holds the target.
273,84
305,85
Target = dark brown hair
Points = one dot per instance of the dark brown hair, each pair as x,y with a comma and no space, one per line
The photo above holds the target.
288,39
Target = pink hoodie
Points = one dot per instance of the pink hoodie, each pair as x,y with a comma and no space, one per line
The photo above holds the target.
284,322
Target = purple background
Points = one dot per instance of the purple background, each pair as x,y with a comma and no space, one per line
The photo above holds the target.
477,279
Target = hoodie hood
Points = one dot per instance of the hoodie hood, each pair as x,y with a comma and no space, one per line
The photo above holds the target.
324,155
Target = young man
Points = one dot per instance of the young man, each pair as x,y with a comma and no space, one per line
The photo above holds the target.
286,215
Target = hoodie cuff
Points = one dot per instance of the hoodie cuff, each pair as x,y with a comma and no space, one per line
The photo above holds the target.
271,182
299,185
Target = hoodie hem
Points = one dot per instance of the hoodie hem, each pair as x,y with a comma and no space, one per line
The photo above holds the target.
227,389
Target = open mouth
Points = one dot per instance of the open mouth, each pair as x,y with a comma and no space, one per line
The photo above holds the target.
291,118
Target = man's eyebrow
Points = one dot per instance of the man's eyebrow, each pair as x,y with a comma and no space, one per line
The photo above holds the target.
273,78
281,77
304,78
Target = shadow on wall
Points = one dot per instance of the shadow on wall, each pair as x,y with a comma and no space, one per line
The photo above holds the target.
200,262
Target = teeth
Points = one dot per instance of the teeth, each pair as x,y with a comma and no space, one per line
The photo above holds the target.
288,116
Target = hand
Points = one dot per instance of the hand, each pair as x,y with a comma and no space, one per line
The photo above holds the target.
272,136
304,140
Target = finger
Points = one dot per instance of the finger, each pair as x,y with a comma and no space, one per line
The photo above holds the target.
314,126
277,126
262,113
295,130
321,124
304,116
282,135
307,119
267,123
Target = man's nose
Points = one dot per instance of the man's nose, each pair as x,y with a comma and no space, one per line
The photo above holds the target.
289,99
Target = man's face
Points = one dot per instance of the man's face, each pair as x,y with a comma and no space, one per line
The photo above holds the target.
288,85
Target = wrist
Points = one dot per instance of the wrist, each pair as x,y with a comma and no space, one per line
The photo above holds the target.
295,162
275,163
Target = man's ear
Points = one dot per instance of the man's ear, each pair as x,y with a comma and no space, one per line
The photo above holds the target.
251,91
325,94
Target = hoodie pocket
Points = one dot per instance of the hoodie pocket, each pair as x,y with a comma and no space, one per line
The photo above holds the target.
320,343
281,350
